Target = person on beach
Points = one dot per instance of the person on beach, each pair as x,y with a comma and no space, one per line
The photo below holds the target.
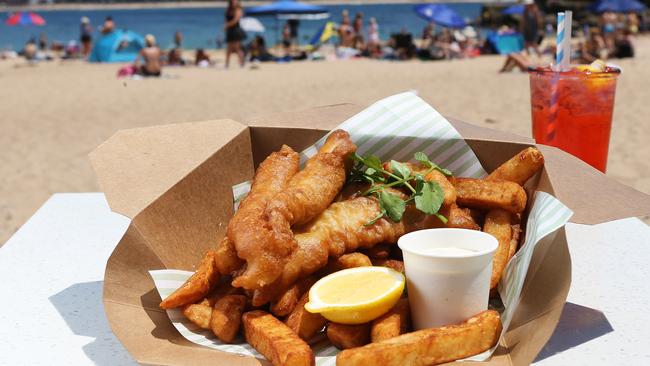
374,45
85,36
234,33
346,32
286,39
201,58
108,26
178,40
357,26
148,61
593,48
427,35
531,23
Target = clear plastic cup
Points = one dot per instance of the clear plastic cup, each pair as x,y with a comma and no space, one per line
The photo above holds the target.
572,110
447,274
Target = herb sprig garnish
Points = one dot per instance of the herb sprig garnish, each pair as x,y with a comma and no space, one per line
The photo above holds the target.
427,195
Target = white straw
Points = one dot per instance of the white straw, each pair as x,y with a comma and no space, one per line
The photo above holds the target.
566,44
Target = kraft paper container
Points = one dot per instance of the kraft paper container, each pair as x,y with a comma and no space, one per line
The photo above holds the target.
175,182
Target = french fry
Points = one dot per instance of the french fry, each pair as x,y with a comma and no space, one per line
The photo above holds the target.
197,286
304,323
345,336
488,195
351,260
287,301
390,263
460,218
275,340
395,322
379,251
199,313
225,318
520,167
514,242
497,224
429,346
444,183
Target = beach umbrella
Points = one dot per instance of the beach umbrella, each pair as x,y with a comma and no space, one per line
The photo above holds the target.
251,25
513,10
618,6
25,18
326,32
290,9
440,14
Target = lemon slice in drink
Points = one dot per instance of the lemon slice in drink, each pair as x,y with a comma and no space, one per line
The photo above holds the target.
356,295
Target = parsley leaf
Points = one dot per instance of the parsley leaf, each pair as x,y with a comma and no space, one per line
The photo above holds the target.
401,170
393,206
429,198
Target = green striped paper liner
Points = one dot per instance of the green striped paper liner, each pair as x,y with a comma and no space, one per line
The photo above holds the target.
547,215
396,128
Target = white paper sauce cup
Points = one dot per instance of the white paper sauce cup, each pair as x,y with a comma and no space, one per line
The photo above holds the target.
447,274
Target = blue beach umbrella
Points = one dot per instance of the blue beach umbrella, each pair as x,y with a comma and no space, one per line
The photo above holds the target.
440,14
288,7
513,10
618,6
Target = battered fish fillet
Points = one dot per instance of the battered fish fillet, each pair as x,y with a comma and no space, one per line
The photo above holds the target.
338,230
249,229
226,258
306,195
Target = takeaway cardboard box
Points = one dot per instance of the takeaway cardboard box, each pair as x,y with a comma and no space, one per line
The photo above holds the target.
174,181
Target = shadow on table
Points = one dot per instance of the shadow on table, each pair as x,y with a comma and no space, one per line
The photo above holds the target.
81,307
578,324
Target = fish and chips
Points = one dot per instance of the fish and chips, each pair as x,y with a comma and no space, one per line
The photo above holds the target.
296,226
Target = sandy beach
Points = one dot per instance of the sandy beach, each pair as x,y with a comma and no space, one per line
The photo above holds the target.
53,114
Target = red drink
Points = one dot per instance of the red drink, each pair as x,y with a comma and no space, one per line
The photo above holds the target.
572,110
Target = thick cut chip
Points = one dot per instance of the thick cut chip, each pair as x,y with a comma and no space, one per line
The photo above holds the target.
498,224
305,324
429,346
197,286
390,263
395,322
289,299
520,167
199,313
277,342
487,195
344,336
225,318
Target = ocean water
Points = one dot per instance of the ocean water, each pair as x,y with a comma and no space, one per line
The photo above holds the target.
201,27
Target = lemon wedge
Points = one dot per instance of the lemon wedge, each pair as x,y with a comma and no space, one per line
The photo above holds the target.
356,295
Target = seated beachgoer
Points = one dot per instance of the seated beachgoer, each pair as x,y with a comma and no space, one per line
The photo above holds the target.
593,48
175,57
257,50
30,50
201,58
623,47
148,61
108,26
516,60
404,46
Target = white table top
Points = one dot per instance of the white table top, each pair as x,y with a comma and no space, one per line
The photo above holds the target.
51,309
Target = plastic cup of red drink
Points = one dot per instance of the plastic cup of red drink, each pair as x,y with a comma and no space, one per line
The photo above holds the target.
572,110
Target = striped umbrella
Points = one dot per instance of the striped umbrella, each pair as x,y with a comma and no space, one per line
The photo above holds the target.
25,18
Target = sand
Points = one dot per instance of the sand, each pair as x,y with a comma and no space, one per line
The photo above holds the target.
52,115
